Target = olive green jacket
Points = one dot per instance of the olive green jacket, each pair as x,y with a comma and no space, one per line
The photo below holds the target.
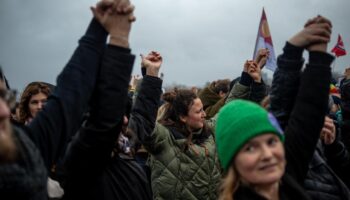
179,169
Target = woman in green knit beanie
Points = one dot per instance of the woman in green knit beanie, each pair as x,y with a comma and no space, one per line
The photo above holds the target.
259,160
258,134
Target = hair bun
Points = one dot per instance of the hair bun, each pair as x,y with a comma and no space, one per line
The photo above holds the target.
169,96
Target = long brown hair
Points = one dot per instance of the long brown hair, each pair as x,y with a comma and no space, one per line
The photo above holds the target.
31,89
179,104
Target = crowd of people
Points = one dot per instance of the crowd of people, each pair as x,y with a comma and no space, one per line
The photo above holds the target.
92,135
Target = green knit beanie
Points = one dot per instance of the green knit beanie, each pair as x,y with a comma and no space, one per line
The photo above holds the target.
237,123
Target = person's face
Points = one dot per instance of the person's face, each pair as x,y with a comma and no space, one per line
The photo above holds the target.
36,103
347,72
196,115
261,160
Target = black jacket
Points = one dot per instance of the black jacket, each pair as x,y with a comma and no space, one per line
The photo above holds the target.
345,127
61,116
91,171
147,104
345,109
304,124
321,181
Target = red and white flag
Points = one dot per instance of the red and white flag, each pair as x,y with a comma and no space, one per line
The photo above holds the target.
339,49
264,40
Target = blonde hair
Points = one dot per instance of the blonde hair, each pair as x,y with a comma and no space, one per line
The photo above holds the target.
229,184
161,111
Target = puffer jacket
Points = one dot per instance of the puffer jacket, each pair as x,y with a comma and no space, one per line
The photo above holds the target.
179,170
321,175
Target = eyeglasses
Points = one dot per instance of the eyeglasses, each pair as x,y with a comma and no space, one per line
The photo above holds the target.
9,96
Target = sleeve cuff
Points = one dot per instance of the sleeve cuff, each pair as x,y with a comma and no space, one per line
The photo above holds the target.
120,49
96,30
320,58
292,52
245,80
156,80
143,71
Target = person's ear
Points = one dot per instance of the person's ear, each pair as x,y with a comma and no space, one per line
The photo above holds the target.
183,119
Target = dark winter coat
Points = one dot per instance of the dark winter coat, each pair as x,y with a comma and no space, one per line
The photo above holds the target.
91,171
178,172
26,179
304,125
345,127
321,181
61,116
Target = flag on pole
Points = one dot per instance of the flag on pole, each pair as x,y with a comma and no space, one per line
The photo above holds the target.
264,40
339,49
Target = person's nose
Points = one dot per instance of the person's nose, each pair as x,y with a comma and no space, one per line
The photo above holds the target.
204,114
266,152
41,105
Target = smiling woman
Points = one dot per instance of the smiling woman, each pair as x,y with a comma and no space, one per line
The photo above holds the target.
185,31
250,141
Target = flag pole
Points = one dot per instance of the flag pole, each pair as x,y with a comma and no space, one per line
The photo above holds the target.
257,37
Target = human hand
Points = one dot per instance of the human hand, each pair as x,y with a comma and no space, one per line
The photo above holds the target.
262,57
152,62
321,46
254,71
116,17
246,66
315,35
328,132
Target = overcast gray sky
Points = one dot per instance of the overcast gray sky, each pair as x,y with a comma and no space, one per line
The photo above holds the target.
200,40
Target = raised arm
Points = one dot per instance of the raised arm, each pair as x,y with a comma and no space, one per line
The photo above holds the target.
307,117
250,86
62,114
144,113
94,142
285,82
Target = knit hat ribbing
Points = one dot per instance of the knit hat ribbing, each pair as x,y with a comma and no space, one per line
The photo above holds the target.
237,123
